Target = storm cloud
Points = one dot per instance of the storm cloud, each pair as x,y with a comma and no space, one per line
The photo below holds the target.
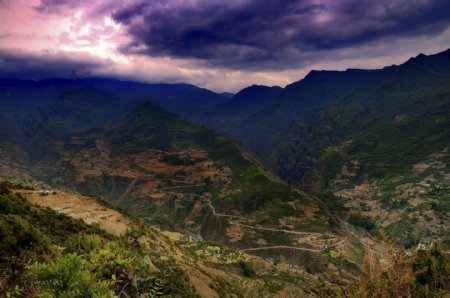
272,34
20,64
222,45
58,6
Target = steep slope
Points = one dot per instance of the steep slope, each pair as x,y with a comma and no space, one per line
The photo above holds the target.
372,143
38,112
13,157
35,113
182,176
25,102
92,250
227,116
248,101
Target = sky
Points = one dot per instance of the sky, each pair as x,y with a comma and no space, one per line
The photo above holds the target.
215,44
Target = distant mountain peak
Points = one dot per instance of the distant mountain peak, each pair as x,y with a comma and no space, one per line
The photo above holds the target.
258,89
256,94
421,55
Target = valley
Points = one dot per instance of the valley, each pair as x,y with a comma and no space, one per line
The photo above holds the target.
333,181
372,144
201,190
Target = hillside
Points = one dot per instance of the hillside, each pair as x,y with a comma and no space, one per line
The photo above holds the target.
82,247
227,116
35,113
57,107
247,102
13,156
94,250
182,176
171,173
371,143
369,146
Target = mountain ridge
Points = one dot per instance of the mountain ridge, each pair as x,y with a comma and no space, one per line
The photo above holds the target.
336,131
370,146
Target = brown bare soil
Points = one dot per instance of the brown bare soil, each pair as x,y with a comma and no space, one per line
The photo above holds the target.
86,208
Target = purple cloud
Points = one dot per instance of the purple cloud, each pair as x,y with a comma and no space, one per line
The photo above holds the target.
19,64
223,45
272,34
57,6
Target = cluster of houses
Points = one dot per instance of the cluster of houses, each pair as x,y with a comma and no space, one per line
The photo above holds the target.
215,251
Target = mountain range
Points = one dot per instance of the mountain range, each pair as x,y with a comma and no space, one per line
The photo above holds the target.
321,175
369,142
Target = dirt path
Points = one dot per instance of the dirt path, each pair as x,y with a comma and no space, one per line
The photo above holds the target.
277,230
180,186
280,246
80,207
233,222
215,213
127,191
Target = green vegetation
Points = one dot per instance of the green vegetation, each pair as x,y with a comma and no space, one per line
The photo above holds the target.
248,188
247,270
375,142
336,130
361,221
46,254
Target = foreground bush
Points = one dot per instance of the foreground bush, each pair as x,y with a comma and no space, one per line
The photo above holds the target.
422,273
46,254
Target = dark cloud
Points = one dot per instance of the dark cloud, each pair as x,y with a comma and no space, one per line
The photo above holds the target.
126,14
56,6
272,34
18,64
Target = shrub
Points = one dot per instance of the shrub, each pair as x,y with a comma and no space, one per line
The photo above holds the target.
413,274
246,269
69,276
363,222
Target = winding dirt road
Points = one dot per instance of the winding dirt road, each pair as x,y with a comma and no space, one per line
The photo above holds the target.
280,247
247,220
